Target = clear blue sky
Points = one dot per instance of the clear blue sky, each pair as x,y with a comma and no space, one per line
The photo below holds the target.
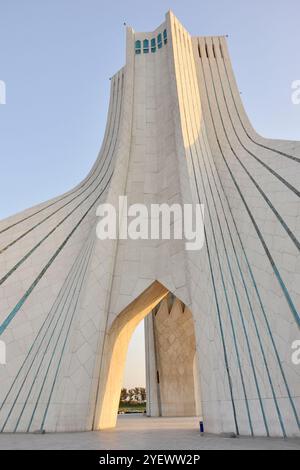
56,58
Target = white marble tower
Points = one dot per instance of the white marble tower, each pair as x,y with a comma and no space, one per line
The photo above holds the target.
176,132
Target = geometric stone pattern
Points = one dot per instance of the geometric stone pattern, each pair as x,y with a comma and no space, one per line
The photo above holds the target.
175,354
176,132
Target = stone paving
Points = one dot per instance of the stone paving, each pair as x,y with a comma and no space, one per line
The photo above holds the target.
140,432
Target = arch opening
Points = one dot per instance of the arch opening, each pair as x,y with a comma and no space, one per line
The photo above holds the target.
170,358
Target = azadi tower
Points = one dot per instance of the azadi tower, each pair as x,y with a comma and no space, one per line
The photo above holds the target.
221,321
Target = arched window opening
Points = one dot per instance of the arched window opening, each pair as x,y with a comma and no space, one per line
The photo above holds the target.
159,41
165,36
138,47
146,46
153,45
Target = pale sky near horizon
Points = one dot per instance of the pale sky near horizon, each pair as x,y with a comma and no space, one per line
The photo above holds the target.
56,58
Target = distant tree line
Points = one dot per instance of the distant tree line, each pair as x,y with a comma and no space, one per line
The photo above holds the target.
133,395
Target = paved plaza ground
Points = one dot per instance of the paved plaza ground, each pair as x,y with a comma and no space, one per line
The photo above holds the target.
140,432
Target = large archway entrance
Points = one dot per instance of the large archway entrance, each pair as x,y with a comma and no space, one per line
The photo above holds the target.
172,383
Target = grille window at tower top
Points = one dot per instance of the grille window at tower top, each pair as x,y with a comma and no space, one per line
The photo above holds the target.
162,38
145,46
138,47
165,36
153,45
159,41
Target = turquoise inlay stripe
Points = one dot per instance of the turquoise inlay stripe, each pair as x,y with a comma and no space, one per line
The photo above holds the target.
259,298
195,138
218,311
234,285
44,220
27,293
230,318
227,302
272,262
69,298
69,193
242,277
279,152
192,147
61,356
246,290
97,170
21,302
261,306
22,260
54,309
262,193
282,222
222,337
64,300
240,193
268,168
219,319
